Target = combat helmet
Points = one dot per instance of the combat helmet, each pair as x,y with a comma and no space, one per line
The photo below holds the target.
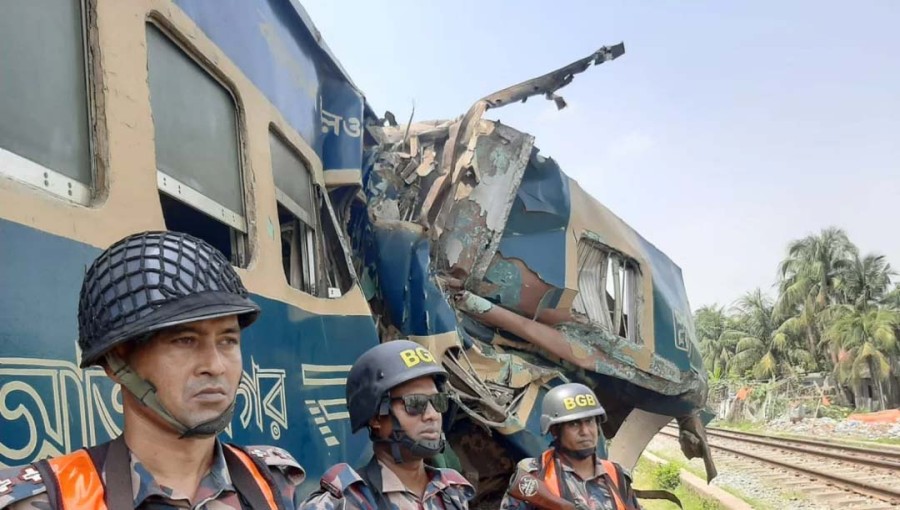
147,282
371,379
569,402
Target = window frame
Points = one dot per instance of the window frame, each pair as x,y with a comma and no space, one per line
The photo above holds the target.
627,308
171,185
332,262
238,224
309,266
303,257
26,171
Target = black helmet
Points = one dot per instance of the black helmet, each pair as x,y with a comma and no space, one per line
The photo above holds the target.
381,368
153,280
369,383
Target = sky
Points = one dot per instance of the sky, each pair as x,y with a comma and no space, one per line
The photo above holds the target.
726,130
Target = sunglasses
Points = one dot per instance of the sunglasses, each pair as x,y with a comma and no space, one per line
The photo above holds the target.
417,403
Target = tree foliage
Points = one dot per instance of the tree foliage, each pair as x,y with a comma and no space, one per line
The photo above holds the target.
832,310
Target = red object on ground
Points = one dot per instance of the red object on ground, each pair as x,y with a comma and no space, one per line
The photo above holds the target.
889,416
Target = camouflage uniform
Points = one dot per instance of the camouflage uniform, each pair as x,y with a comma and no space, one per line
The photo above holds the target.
21,487
343,488
593,493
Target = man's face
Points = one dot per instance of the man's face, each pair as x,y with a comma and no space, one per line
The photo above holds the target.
195,367
579,434
426,426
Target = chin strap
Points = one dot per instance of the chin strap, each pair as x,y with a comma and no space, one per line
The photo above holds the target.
145,392
398,439
580,454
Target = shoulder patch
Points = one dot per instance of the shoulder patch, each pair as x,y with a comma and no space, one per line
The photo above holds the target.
19,483
339,478
529,465
280,459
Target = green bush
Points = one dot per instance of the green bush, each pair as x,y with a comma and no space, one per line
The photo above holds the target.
835,412
666,476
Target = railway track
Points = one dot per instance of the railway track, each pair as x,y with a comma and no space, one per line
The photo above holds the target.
837,475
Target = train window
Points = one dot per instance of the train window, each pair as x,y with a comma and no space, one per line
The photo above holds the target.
296,215
198,158
608,284
44,107
337,259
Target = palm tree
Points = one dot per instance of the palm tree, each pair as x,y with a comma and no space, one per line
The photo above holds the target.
863,331
865,281
864,339
790,335
762,348
808,279
710,321
892,298
717,354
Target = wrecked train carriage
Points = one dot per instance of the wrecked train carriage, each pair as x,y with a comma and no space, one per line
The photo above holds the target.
474,244
288,139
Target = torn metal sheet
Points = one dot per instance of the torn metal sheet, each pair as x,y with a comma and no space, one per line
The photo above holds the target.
476,217
549,83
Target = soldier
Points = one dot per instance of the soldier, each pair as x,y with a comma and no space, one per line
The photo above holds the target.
570,474
162,313
396,389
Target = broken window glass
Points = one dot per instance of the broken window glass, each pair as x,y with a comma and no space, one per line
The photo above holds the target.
298,251
314,254
339,268
296,215
608,288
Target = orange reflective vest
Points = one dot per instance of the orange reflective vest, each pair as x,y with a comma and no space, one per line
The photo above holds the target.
552,480
80,486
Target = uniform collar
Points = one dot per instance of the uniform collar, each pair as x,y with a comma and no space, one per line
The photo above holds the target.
437,482
216,481
390,482
598,468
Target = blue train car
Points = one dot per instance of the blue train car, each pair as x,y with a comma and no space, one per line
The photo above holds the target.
232,120
205,117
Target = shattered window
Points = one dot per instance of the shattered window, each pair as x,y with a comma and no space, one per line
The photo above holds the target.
313,251
296,215
337,259
298,251
608,288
